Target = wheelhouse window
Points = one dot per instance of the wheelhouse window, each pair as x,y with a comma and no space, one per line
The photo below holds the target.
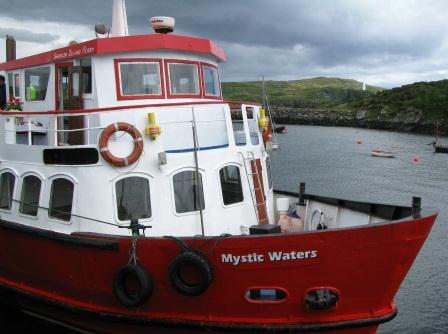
36,83
133,198
238,127
29,200
184,79
7,181
139,78
61,199
188,192
231,188
211,81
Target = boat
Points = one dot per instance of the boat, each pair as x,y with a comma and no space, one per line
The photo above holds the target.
133,197
439,148
282,129
382,154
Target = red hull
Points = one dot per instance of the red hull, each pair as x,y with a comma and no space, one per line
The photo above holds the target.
70,278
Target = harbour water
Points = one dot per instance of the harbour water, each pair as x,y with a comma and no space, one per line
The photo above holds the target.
332,162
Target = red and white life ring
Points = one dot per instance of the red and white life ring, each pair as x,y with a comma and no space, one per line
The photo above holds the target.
104,141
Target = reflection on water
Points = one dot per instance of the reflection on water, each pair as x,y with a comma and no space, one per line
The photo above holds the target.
331,163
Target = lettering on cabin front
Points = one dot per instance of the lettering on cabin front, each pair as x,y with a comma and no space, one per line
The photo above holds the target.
74,52
268,257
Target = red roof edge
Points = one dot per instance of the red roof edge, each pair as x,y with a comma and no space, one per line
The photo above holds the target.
120,45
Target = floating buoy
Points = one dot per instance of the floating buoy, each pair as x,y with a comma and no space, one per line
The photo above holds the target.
416,159
359,142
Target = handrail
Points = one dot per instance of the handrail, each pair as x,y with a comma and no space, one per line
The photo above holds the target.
118,108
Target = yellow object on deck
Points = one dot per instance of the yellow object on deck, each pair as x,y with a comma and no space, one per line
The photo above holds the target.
153,128
262,120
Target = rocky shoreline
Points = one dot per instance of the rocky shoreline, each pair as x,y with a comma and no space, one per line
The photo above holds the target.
411,120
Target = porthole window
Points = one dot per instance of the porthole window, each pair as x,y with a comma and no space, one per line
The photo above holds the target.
133,198
188,192
7,181
29,199
231,188
61,199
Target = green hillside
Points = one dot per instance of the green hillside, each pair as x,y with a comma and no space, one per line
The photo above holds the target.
429,97
306,93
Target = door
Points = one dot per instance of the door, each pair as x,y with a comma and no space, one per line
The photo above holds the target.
69,97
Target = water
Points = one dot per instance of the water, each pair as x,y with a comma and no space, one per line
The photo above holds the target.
331,163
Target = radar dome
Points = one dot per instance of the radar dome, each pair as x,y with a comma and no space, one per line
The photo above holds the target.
162,24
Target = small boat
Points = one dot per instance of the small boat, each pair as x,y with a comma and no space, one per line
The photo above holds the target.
382,154
280,129
439,148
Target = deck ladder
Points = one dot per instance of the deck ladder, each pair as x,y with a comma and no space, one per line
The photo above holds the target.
254,181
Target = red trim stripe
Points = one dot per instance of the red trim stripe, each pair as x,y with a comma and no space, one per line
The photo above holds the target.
85,111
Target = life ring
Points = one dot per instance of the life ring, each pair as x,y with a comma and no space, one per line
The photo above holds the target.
104,141
202,267
141,277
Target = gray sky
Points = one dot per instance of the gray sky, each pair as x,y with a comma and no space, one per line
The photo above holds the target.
381,42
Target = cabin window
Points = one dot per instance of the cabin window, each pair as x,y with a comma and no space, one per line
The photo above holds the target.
184,79
253,126
7,181
211,81
188,192
86,68
29,200
238,127
140,78
14,84
268,169
36,83
61,199
231,188
133,198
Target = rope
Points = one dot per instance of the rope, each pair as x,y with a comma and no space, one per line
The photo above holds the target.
67,213
133,251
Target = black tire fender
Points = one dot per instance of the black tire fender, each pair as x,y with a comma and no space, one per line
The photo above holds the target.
146,286
197,260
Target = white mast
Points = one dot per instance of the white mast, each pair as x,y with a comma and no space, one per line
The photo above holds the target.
119,19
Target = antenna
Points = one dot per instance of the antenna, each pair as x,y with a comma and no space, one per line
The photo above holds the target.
119,19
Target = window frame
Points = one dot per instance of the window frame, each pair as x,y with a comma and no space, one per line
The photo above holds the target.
42,185
220,184
14,73
173,197
118,88
167,63
48,83
204,91
49,192
16,177
114,192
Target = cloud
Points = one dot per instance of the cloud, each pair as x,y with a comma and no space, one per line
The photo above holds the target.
28,36
389,42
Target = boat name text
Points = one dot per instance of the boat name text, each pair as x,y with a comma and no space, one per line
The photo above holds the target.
85,50
270,256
